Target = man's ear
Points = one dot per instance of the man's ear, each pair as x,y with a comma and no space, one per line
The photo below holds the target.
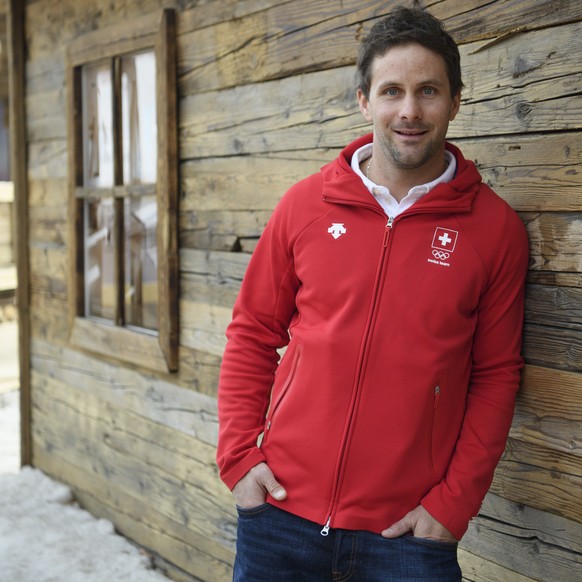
455,106
364,105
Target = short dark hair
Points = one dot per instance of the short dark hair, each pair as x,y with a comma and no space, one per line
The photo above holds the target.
407,26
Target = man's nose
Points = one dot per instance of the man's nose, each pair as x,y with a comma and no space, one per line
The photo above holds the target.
410,108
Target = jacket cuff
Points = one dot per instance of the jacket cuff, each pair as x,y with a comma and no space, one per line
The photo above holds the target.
454,517
235,472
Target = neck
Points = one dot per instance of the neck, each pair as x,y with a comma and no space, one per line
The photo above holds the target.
399,181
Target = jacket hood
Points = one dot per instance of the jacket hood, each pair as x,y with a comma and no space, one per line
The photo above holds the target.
342,185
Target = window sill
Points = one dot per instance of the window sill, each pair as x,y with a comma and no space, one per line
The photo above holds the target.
120,344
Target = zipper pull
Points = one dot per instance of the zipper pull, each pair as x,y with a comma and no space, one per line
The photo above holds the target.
387,230
325,531
437,395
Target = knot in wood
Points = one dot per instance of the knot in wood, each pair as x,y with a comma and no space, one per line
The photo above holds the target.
523,111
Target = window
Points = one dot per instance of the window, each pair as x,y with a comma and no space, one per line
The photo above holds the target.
124,192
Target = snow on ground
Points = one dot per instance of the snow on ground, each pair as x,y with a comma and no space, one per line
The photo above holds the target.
46,537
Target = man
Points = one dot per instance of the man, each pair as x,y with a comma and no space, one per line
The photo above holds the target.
396,278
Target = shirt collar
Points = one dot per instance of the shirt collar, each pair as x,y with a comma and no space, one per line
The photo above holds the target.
416,192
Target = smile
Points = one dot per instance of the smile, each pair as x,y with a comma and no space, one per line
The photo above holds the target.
410,132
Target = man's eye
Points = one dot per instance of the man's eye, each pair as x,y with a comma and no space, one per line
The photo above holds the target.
428,91
392,92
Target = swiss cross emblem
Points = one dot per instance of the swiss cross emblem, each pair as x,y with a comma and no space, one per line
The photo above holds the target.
444,239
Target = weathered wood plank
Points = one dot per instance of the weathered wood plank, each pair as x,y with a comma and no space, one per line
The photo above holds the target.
48,269
211,277
554,306
46,73
47,319
538,172
549,411
220,230
48,159
222,266
554,241
222,10
538,477
553,347
47,112
48,224
204,326
555,279
477,569
206,290
199,371
526,540
147,395
49,192
505,18
521,60
245,183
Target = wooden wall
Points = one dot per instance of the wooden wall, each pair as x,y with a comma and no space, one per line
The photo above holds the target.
266,97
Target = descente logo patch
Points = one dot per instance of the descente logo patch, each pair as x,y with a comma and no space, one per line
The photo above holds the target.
444,242
337,229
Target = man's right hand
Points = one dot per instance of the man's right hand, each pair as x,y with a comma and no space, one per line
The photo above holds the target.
251,491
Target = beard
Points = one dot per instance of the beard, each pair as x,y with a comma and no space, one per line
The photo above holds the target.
414,155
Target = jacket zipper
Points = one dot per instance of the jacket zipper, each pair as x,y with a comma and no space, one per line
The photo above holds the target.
360,372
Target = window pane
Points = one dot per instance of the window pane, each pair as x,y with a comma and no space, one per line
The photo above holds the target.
99,259
97,126
141,262
139,125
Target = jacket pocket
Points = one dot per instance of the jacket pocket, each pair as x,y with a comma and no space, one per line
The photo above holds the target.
434,444
276,405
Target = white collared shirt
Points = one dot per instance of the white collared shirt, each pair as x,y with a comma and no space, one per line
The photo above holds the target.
391,206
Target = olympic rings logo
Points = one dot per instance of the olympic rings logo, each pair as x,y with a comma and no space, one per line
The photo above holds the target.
442,256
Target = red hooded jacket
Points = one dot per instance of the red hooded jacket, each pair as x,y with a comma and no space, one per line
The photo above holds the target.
397,387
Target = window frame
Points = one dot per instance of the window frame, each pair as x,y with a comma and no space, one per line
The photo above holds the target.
154,351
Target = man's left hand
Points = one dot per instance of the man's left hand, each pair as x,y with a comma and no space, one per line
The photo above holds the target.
422,525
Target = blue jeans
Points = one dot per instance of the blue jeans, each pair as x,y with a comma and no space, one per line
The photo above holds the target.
276,546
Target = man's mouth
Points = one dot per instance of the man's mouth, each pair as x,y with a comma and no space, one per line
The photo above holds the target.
410,132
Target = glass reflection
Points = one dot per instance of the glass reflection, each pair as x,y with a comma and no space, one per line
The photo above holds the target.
97,126
141,262
99,259
139,125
